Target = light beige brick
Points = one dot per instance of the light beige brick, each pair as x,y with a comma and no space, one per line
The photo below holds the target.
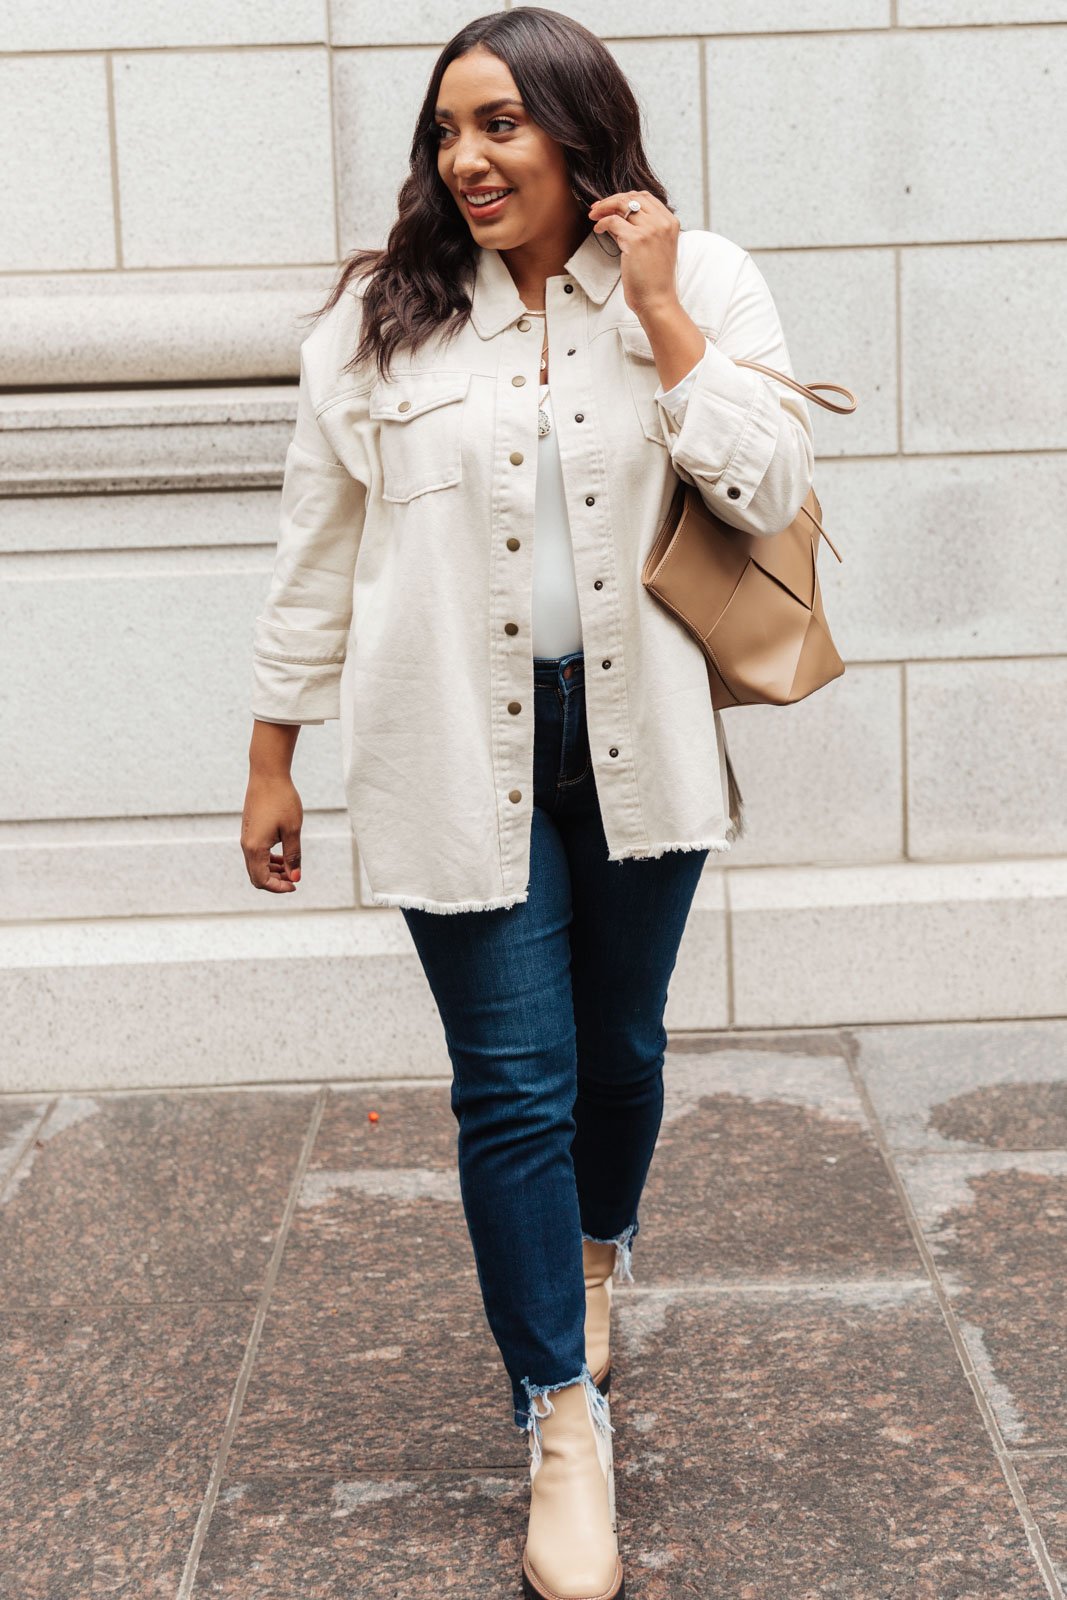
903,136
987,758
822,778
984,354
135,24
55,177
957,556
826,946
225,158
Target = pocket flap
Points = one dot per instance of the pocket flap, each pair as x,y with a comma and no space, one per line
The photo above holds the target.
407,395
635,340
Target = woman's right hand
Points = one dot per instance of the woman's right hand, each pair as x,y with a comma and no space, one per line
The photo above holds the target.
273,813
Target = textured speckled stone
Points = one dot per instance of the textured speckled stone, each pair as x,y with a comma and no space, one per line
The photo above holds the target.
765,1167
134,1198
978,1114
376,1354
415,1127
360,1537
997,1226
781,1449
380,1384
109,1422
926,1084
792,1418
378,1228
1044,1482
1006,1116
18,1120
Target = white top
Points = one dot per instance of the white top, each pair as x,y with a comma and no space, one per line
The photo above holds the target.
556,623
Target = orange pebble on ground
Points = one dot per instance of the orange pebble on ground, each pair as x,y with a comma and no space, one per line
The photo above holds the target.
372,1116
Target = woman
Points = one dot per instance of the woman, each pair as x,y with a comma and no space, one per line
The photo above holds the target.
492,415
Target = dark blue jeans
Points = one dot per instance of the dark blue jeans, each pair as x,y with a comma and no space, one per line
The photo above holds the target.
553,1018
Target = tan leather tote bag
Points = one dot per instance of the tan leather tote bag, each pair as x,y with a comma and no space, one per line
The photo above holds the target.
751,601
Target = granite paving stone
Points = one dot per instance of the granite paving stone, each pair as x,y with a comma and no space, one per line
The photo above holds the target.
977,1115
337,1392
765,1166
1044,1481
792,1417
416,1536
18,1120
376,1313
151,1197
946,1086
413,1127
109,1423
996,1223
779,1448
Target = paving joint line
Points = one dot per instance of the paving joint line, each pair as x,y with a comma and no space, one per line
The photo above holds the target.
207,1509
790,1286
1034,1536
30,1142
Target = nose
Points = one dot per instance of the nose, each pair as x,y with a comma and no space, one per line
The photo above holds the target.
466,166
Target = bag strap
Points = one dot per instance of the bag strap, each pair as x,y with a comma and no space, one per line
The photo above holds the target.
806,389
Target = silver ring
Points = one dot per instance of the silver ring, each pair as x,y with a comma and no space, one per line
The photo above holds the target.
633,205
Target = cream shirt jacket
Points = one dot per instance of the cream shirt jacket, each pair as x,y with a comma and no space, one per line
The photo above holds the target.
400,599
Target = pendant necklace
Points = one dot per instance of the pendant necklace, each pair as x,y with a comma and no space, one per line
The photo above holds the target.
544,425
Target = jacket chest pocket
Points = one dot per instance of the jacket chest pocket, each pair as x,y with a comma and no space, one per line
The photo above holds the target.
420,417
642,377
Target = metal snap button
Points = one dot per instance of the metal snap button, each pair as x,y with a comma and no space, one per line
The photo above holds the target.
579,416
514,794
613,751
516,458
599,584
514,706
734,492
518,380
590,499
605,663
570,352
524,323
513,543
405,405
568,288
568,672
511,627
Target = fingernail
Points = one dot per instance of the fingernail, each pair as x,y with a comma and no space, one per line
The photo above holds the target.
295,874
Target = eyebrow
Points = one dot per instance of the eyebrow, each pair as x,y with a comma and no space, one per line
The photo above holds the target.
484,109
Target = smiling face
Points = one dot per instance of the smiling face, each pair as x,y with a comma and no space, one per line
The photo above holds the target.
486,140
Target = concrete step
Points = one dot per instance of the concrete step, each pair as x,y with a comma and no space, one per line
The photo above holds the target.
340,994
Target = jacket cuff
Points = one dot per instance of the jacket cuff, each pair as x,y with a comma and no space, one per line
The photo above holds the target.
297,673
728,431
674,400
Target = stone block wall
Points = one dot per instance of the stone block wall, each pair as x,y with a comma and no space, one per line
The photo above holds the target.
178,185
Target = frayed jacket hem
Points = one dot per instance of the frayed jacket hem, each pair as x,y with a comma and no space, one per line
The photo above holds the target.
650,852
410,902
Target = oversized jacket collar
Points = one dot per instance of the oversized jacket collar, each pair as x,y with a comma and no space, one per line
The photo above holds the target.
496,302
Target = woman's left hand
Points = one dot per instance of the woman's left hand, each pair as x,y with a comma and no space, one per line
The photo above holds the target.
648,240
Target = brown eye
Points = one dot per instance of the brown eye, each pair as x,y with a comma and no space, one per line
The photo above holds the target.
439,127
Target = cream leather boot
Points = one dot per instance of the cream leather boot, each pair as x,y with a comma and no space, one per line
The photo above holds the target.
599,1261
571,1552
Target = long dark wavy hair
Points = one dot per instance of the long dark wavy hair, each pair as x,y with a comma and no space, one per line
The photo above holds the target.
573,88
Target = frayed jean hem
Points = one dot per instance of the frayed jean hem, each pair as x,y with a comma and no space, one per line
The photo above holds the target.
624,1250
530,1420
